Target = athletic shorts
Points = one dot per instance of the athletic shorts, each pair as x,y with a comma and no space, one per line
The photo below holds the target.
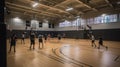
93,41
32,42
40,40
101,43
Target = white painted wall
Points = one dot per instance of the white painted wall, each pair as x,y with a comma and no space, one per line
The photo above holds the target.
20,24
16,24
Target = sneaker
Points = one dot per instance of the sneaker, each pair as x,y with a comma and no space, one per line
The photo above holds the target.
98,47
106,47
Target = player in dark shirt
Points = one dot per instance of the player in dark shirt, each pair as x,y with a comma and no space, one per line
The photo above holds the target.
101,43
40,40
45,37
32,40
13,42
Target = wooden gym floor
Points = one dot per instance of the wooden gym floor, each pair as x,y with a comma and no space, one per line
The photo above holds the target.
64,53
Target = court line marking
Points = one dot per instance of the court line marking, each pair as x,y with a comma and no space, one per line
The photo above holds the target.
69,61
52,57
74,59
117,58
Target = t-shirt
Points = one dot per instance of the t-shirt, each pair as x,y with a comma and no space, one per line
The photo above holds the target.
40,37
23,36
32,36
13,40
93,38
100,40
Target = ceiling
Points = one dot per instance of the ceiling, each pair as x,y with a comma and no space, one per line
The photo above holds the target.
56,9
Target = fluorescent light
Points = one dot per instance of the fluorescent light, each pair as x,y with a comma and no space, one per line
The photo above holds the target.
103,15
69,9
16,19
35,4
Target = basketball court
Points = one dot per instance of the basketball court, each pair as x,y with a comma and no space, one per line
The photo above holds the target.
66,53
67,28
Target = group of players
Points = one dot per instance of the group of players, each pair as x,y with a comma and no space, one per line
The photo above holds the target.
32,37
100,42
13,40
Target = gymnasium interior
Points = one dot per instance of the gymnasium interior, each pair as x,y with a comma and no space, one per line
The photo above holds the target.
75,21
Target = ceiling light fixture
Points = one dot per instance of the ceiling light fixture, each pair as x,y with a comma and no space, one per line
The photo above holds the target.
69,9
35,4
17,19
103,15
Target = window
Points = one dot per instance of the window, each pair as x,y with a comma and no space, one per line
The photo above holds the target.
103,19
106,19
91,20
113,18
61,24
74,23
67,23
82,22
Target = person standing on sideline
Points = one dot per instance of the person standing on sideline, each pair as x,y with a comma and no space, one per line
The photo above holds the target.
59,37
23,38
45,37
40,39
49,36
93,41
101,43
13,42
32,40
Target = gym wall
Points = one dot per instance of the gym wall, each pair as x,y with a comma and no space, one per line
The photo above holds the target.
110,31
